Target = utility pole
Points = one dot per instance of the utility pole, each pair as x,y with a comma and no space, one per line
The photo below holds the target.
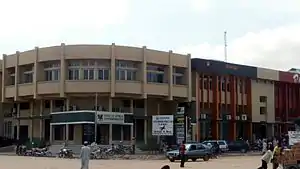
225,45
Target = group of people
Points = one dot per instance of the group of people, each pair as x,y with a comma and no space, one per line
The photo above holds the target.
270,154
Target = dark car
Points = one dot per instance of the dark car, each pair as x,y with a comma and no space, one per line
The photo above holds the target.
194,151
239,145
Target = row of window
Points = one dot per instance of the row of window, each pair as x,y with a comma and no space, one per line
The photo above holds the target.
223,86
97,70
239,108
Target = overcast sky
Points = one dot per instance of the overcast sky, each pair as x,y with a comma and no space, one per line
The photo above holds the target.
260,32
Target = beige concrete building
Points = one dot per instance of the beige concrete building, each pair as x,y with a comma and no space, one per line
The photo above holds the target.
51,93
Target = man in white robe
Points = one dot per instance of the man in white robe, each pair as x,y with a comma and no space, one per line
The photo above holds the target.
85,155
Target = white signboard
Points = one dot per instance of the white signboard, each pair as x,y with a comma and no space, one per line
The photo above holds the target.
294,137
162,125
109,117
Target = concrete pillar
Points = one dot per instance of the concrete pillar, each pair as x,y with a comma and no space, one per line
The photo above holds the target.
122,133
62,70
170,75
18,121
133,127
51,133
158,113
145,122
67,132
110,105
67,104
31,121
41,119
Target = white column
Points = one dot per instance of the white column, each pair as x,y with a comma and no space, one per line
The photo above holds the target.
132,127
18,121
51,133
41,120
110,125
131,132
67,104
145,122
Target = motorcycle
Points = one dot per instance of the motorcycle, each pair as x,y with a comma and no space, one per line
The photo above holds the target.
65,153
41,152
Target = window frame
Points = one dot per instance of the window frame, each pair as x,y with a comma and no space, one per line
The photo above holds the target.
129,69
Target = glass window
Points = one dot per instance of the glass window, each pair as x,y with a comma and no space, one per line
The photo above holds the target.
52,75
12,79
88,74
155,77
56,74
48,75
103,74
178,79
73,74
192,147
28,77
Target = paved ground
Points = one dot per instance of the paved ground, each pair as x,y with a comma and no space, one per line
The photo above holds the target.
17,162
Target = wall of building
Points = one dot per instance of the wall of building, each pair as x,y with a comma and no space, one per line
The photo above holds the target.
263,88
37,58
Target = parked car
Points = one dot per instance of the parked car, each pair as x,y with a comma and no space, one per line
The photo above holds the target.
239,145
194,151
222,144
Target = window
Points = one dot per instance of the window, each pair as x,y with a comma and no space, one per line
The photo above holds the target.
52,75
263,110
200,147
192,147
88,74
263,99
178,74
12,79
73,74
74,70
28,77
126,71
103,74
155,74
52,71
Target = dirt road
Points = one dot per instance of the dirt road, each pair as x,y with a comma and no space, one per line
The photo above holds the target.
17,162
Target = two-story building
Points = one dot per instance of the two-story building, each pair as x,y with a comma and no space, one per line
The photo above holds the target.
105,93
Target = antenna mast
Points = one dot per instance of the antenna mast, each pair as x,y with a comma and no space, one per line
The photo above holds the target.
225,45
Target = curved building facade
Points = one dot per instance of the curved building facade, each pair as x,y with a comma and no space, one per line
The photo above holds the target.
58,93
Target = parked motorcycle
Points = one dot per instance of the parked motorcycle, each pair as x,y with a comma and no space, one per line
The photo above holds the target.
41,152
21,150
65,153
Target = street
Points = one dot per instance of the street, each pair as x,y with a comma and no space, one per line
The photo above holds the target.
17,162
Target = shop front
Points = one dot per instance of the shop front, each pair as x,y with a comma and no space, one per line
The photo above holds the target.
105,128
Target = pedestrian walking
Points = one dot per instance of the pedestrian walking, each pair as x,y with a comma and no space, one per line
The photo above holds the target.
265,159
133,145
85,155
182,154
